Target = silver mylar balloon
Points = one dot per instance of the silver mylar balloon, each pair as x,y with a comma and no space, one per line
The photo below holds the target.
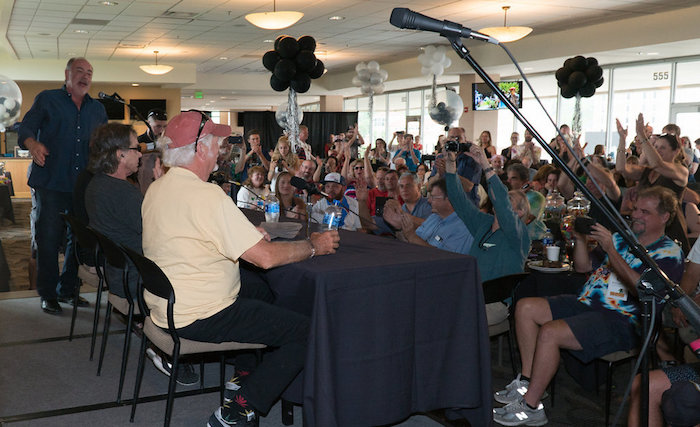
281,115
10,102
449,108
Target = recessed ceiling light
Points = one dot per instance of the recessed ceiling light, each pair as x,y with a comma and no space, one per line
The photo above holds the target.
336,18
71,54
135,84
652,53
223,58
80,31
268,41
109,3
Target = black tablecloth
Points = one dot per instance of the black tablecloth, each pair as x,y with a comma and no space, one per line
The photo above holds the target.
396,329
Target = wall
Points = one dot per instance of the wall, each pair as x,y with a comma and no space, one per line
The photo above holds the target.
172,96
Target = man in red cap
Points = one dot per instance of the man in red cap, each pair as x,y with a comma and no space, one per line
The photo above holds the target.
195,233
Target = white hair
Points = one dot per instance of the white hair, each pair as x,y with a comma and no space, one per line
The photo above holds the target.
181,156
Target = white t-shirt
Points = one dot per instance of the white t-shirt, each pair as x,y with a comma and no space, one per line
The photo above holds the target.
351,221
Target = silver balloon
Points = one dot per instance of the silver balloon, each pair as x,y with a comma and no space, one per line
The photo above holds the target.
449,108
10,102
281,115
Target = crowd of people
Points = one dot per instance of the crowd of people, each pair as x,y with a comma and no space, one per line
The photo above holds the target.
467,199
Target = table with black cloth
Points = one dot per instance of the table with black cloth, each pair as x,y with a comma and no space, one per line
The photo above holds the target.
395,329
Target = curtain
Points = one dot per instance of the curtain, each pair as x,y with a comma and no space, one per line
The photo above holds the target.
321,126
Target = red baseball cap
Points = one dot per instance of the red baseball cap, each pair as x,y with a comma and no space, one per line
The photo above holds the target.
183,128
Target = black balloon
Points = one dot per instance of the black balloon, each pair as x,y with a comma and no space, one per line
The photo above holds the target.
562,74
588,90
307,43
278,39
277,84
270,59
285,69
591,61
577,79
301,83
578,63
288,47
600,82
568,92
593,73
318,70
305,60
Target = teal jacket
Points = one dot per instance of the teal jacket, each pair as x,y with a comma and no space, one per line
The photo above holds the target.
502,252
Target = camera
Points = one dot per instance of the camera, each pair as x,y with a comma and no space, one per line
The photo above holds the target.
457,147
584,224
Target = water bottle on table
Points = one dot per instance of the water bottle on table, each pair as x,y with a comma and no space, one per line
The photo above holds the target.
332,216
272,208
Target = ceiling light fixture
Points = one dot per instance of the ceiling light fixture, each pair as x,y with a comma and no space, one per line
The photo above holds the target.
336,18
505,33
156,69
275,20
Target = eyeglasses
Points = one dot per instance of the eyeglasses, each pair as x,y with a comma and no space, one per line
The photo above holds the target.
359,167
203,122
137,148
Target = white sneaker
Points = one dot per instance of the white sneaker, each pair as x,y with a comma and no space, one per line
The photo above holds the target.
514,391
185,375
519,414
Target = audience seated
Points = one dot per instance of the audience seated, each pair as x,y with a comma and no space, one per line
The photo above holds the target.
291,206
282,159
600,320
334,186
254,190
254,157
519,179
468,169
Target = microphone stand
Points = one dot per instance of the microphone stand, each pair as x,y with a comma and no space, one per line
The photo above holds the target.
133,110
672,290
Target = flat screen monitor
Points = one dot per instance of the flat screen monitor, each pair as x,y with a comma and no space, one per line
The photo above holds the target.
146,105
483,98
115,110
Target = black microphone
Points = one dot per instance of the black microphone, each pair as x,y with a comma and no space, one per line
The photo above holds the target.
302,184
402,17
113,97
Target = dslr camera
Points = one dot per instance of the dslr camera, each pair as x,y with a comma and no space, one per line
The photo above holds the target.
456,146
584,224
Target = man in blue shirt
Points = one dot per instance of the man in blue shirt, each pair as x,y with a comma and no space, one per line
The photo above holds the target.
56,131
442,229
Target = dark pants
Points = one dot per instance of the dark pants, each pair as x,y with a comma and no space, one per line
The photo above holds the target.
49,237
250,320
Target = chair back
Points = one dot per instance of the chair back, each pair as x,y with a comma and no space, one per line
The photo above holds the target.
85,239
501,288
154,281
110,250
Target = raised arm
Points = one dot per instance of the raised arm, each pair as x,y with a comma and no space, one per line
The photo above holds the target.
672,170
631,172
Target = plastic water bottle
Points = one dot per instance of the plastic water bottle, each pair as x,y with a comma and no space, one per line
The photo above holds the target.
548,238
331,218
259,202
272,208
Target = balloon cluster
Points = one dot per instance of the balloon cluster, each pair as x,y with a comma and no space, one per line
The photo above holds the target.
370,78
293,63
449,108
282,115
579,76
434,60
10,102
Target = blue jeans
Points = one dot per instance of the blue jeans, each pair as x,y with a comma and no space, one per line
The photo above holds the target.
49,228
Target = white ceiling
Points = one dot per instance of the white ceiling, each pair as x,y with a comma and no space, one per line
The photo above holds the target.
214,36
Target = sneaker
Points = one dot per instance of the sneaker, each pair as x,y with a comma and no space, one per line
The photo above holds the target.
218,419
185,375
514,391
519,414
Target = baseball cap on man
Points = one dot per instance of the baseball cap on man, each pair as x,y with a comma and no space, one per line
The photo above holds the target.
334,177
183,128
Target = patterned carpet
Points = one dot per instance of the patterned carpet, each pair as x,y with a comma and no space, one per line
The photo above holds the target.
16,243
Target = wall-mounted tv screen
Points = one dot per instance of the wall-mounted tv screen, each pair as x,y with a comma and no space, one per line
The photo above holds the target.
146,105
483,98
115,110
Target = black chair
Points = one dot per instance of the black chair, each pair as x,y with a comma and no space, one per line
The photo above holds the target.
167,340
86,252
497,290
112,255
